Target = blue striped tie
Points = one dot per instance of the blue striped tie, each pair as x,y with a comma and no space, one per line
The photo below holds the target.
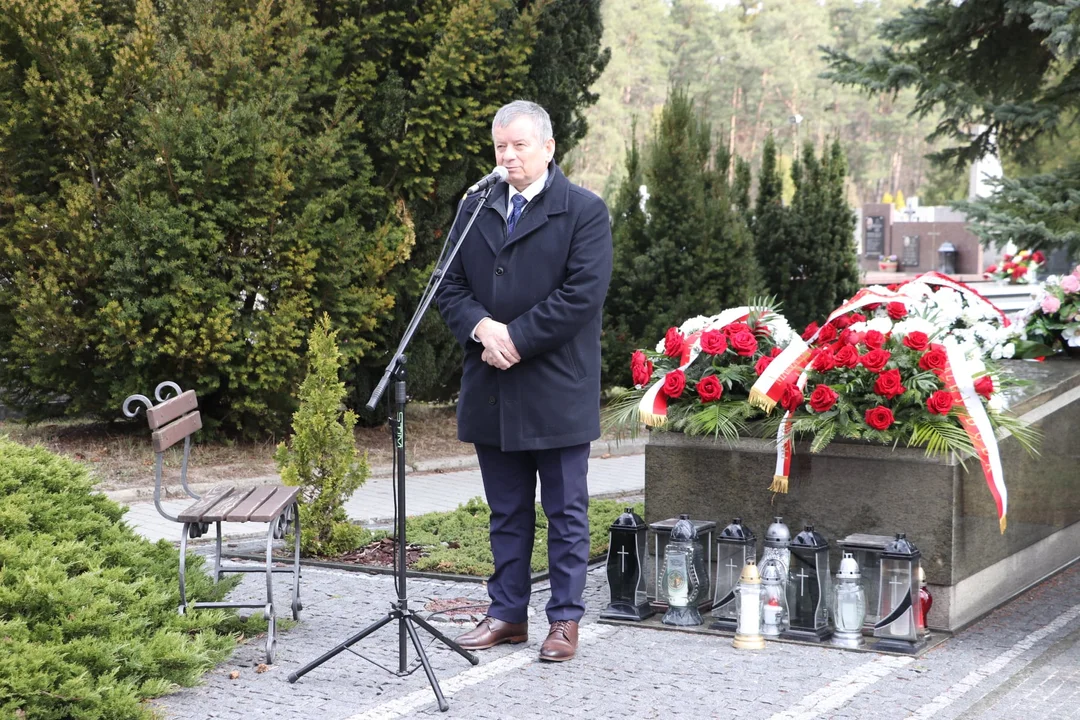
511,222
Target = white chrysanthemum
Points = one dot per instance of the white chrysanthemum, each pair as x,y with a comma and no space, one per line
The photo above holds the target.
879,289
1008,350
660,346
916,289
883,325
858,327
781,330
915,323
997,403
995,354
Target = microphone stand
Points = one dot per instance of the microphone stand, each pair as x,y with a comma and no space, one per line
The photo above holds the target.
407,618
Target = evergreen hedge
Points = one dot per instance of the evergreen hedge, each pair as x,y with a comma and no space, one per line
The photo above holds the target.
88,621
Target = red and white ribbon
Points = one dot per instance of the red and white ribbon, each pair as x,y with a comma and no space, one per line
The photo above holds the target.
973,296
653,405
976,424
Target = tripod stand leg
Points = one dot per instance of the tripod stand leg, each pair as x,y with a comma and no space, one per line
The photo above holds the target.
446,641
407,623
343,646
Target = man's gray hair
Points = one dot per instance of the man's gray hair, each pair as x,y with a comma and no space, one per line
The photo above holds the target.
523,108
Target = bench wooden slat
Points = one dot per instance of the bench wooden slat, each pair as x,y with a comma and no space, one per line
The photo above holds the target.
220,511
195,511
242,512
275,504
171,409
169,435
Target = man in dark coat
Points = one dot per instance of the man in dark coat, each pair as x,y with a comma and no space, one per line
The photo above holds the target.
523,297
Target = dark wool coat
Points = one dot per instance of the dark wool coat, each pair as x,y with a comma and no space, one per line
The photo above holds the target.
547,282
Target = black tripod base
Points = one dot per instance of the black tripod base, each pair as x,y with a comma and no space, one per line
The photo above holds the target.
407,620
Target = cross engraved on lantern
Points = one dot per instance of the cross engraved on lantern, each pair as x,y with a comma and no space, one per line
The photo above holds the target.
809,587
626,579
735,548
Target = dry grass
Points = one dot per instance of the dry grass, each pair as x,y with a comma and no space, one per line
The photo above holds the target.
119,455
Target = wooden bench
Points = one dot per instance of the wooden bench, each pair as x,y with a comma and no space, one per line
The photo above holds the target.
177,418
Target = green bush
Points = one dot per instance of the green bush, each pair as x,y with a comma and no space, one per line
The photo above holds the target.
88,621
321,456
465,532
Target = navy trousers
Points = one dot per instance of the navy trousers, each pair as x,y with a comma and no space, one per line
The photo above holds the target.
510,485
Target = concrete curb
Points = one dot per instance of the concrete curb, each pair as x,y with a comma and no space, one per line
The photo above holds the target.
599,449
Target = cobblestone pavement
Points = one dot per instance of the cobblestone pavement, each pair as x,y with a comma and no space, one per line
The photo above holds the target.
1021,661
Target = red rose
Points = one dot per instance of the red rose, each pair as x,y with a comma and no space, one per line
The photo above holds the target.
916,340
871,307
858,317
1038,257
849,337
985,386
824,361
893,288
1006,257
874,339
792,397
732,329
674,382
763,362
809,331
1019,271
847,356
709,388
744,343
714,342
991,269
640,368
673,343
823,398
875,360
841,322
934,358
879,418
827,334
940,403
896,310
775,352
888,384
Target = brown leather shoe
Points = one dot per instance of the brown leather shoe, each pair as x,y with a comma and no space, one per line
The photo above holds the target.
490,632
561,642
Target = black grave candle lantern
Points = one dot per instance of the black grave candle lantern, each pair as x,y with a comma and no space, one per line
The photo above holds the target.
735,547
661,536
809,587
897,628
626,569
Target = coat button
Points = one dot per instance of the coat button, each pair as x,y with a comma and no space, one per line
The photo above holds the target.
499,270
491,399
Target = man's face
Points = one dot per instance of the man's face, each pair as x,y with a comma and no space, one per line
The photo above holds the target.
519,150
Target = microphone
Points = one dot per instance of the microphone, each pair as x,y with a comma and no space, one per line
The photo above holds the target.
499,173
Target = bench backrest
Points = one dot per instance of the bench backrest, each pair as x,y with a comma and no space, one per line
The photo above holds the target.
174,420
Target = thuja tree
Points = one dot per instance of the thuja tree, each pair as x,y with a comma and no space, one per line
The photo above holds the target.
321,456
185,186
771,227
689,253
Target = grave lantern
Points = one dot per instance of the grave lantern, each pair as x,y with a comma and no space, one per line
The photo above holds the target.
661,535
947,258
848,604
809,587
774,611
735,547
626,569
926,601
896,628
748,606
867,549
685,575
778,544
